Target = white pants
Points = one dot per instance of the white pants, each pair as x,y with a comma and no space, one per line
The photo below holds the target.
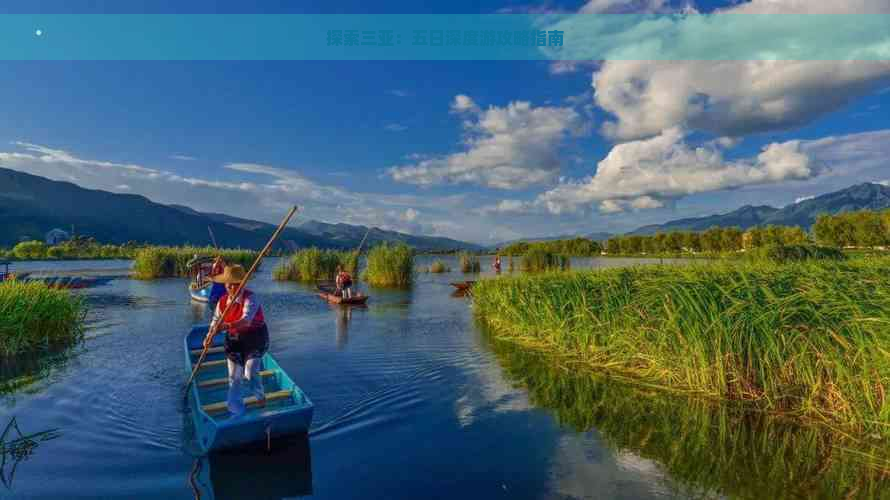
251,372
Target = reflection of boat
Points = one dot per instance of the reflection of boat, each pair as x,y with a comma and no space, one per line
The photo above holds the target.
288,410
463,286
331,296
283,472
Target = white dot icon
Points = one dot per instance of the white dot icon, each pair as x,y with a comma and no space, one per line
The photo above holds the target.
38,32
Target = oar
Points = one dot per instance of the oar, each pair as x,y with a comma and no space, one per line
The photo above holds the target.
209,338
212,238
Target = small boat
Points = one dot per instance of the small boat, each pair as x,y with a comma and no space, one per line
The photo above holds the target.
200,293
463,286
332,297
288,410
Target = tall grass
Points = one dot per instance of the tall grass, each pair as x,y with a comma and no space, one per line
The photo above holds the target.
390,266
169,262
33,316
807,340
540,259
439,267
313,264
707,450
469,263
789,253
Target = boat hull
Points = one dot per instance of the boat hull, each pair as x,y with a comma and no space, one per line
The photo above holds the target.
357,300
218,431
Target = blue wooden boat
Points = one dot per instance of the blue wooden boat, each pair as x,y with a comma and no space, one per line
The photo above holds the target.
288,410
209,293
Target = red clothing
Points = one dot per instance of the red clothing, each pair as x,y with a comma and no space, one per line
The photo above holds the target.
245,315
344,279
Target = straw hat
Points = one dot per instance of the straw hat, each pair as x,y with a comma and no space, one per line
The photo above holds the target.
231,274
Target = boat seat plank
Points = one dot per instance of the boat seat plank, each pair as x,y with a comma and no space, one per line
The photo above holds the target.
212,350
225,380
211,364
249,401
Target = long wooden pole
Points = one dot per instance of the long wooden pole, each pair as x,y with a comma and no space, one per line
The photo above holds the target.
210,334
212,238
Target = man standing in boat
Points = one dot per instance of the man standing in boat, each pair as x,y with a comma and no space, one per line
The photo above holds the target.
247,338
344,283
497,264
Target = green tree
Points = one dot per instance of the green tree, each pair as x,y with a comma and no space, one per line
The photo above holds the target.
712,240
30,250
731,239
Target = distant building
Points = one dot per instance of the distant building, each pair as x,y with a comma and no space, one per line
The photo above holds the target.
56,236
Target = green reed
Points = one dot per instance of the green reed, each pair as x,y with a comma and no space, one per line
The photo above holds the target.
706,449
808,340
390,266
469,263
169,262
439,267
792,253
539,259
33,316
314,264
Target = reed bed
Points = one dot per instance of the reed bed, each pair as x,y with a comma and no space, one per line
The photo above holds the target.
793,253
469,263
313,264
170,262
33,316
390,266
808,340
708,450
439,267
539,259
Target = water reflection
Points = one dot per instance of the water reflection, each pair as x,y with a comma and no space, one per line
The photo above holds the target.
16,447
344,316
283,472
705,449
23,373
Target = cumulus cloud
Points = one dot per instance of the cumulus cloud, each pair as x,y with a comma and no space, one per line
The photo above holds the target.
624,6
507,148
643,174
733,97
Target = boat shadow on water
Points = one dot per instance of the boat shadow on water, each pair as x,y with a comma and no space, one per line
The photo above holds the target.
285,471
705,449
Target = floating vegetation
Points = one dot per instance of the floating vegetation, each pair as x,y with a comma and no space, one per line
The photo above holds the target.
805,340
390,266
314,264
34,316
170,262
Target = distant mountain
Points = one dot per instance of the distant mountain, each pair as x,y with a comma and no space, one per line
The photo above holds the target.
865,196
30,206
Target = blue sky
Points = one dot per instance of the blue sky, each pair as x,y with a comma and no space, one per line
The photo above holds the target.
480,151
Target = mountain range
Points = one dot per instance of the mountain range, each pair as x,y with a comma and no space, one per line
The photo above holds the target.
30,206
865,196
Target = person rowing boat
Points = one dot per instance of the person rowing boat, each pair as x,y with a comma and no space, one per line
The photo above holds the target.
247,338
344,283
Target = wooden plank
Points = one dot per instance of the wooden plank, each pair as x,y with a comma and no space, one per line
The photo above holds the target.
225,380
211,364
212,350
221,407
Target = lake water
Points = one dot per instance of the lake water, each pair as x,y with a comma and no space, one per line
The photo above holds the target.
412,401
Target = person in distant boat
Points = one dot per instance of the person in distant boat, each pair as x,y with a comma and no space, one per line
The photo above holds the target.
497,263
217,290
344,283
247,338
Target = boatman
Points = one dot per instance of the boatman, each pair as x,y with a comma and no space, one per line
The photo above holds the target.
247,338
497,264
344,283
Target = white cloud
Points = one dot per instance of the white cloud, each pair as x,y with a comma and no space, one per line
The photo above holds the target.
508,148
624,6
641,174
399,93
183,157
803,198
395,127
732,97
123,187
885,182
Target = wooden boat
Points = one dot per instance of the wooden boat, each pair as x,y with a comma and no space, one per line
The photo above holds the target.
200,293
463,286
329,295
288,410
